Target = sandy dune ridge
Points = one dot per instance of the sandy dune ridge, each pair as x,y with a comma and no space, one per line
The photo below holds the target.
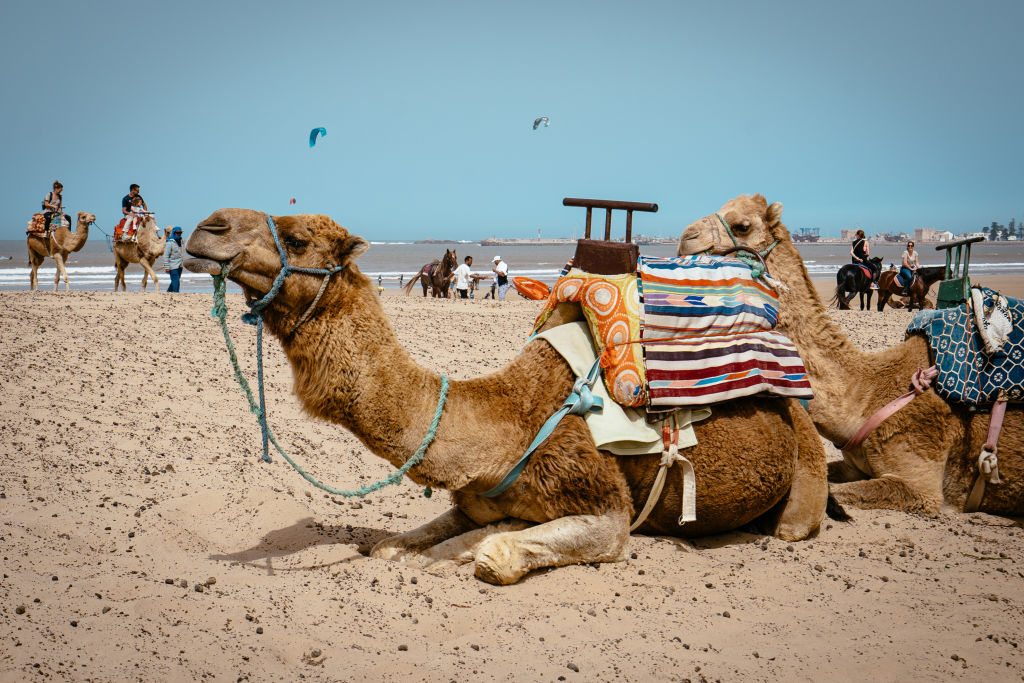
142,538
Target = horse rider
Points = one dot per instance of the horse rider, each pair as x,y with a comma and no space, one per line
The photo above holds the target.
859,253
908,267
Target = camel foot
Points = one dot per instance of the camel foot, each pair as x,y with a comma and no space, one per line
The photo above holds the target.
497,562
887,492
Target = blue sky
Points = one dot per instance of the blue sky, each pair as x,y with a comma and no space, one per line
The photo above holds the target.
884,115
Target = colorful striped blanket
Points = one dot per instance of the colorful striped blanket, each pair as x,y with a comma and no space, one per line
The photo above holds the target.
708,334
685,331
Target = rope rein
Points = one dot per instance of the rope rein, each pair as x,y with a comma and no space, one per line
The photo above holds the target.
255,317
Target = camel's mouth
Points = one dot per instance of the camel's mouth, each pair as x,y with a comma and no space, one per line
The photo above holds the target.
203,265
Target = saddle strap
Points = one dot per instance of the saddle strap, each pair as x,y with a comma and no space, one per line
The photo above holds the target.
988,463
921,380
671,455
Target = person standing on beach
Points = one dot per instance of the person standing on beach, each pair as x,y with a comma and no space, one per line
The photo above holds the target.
500,270
53,203
462,274
172,259
908,268
859,253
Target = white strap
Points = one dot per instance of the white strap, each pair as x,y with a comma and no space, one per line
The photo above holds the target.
689,494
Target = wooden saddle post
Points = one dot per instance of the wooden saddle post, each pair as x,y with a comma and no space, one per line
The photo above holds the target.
605,257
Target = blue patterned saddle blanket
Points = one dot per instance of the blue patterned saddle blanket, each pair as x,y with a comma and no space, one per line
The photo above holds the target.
967,372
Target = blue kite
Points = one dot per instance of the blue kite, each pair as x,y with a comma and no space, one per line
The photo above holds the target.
313,133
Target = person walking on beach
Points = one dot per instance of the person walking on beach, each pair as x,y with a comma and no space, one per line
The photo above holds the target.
500,270
462,277
908,268
859,253
53,205
380,285
172,259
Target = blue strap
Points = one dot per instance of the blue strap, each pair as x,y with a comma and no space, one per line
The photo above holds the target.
580,402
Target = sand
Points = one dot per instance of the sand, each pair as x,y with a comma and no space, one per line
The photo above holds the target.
143,539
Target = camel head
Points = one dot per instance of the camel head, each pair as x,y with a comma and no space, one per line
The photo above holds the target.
86,218
751,220
241,238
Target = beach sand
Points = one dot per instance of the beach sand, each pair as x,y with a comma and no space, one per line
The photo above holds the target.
142,538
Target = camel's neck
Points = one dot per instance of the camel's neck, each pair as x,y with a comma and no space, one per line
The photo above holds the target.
849,384
349,368
66,241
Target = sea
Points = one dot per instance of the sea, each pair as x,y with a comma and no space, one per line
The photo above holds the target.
92,269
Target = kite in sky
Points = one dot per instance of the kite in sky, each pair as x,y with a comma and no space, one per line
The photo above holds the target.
313,133
292,200
536,123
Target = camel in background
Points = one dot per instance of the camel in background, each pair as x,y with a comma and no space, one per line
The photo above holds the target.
922,455
57,244
757,457
147,248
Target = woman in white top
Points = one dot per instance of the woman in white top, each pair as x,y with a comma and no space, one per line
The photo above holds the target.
908,267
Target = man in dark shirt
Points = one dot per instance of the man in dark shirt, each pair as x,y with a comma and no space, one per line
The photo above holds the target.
126,201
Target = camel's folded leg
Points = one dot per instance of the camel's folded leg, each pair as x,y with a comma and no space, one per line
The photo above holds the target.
504,558
463,548
800,512
412,544
888,492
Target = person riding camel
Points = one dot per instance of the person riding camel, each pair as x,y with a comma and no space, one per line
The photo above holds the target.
859,253
132,215
53,207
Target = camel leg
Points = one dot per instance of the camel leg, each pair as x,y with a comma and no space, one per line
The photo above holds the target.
61,272
799,513
841,471
888,492
148,267
119,275
504,558
412,543
33,283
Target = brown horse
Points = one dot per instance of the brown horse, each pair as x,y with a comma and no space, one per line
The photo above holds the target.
437,275
925,278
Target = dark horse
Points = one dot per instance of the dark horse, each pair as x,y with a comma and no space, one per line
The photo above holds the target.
851,279
923,281
437,275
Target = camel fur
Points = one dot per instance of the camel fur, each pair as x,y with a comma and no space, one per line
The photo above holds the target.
757,459
147,247
57,244
923,455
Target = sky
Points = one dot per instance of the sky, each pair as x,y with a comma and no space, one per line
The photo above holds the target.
883,115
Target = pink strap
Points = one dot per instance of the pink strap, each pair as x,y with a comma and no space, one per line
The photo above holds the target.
995,425
921,380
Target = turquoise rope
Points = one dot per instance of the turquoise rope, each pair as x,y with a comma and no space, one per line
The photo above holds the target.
220,310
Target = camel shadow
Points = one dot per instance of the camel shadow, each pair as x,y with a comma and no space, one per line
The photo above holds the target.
302,535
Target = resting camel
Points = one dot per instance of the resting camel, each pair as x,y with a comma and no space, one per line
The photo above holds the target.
757,458
145,251
58,245
925,453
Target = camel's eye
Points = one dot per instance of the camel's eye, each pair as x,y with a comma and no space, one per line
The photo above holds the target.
294,243
740,229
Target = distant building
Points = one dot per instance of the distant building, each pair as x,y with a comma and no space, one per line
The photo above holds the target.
850,234
927,235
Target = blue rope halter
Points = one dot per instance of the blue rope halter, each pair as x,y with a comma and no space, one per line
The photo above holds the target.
255,317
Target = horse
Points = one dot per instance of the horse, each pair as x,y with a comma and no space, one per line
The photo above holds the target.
437,275
923,280
852,278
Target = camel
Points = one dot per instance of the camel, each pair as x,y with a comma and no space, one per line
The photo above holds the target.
58,244
758,459
921,457
145,251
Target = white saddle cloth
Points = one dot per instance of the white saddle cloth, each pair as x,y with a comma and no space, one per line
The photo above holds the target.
619,430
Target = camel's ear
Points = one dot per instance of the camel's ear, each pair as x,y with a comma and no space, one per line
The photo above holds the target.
774,214
349,248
